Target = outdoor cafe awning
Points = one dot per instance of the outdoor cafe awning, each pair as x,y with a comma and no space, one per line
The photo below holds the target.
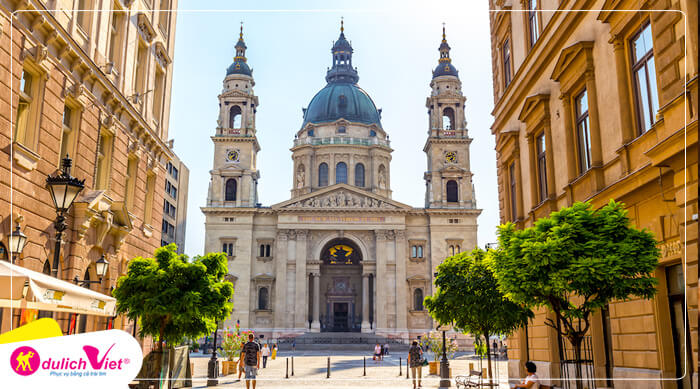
49,294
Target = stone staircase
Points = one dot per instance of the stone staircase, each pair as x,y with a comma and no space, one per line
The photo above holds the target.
341,341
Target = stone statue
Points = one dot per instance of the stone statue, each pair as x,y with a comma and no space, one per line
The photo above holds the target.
382,179
301,177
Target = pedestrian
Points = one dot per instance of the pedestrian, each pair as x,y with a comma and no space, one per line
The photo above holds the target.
294,345
251,357
415,362
241,365
274,352
265,353
531,381
377,352
386,348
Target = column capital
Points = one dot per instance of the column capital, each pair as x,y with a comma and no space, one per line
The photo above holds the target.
302,234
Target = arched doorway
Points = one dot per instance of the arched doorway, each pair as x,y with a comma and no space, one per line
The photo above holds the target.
341,286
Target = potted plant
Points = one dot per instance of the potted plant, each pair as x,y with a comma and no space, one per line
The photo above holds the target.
433,342
231,348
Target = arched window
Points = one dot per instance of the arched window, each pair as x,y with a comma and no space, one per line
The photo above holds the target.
458,250
418,299
452,250
231,185
448,119
452,191
341,173
323,174
262,298
234,117
360,175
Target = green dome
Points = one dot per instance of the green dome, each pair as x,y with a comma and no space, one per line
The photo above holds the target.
341,100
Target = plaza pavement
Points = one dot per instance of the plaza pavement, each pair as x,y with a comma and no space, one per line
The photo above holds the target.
346,371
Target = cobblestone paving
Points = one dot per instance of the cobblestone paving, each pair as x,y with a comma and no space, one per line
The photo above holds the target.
346,372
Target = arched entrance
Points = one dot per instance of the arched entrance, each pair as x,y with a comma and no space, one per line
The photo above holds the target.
341,286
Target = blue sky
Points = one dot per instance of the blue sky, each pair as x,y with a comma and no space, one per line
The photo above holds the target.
289,45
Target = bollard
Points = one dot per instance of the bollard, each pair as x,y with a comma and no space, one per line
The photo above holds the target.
364,366
286,374
328,368
292,366
400,372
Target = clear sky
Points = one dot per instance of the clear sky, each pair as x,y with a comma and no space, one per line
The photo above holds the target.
396,48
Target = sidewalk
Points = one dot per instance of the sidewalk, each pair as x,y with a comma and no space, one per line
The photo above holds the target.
346,372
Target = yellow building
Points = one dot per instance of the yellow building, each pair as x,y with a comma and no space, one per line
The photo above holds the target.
600,105
96,86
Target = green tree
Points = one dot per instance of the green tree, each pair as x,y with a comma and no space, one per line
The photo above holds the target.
467,297
575,262
173,298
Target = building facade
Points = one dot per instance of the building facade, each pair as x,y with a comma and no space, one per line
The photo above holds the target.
600,105
94,86
177,180
340,254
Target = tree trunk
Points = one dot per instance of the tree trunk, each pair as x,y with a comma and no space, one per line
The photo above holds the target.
576,342
488,355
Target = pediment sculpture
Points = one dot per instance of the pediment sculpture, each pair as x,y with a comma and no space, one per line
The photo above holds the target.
342,199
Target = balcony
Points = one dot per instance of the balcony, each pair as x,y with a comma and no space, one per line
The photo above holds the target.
336,140
237,132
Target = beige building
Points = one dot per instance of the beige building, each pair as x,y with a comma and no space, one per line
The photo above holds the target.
600,105
340,254
177,179
95,86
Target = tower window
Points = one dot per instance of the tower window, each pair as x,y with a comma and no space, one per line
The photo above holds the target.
231,186
234,117
417,251
372,133
448,119
452,191
265,251
360,175
323,174
341,130
228,249
341,173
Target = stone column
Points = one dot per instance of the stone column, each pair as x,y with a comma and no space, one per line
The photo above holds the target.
365,303
401,298
315,322
281,308
596,142
301,311
381,281
571,167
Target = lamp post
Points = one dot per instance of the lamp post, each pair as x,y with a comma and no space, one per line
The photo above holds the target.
63,188
101,266
213,368
17,242
444,364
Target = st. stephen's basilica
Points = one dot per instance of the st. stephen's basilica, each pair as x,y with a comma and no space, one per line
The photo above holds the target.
340,255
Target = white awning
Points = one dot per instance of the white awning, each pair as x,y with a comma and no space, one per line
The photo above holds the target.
49,294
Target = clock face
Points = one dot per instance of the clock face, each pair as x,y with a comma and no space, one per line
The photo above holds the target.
233,156
451,156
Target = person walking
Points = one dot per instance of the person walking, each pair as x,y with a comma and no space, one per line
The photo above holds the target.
274,352
415,362
377,352
386,348
251,357
241,363
265,353
294,345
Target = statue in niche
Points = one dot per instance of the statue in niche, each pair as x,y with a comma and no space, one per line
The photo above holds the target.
382,179
301,177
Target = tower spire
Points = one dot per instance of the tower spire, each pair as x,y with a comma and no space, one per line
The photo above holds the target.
241,34
342,70
341,25
445,67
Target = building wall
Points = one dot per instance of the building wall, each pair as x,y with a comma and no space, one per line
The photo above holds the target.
653,172
69,62
175,208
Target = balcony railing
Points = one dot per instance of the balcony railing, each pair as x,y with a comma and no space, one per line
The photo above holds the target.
337,140
223,131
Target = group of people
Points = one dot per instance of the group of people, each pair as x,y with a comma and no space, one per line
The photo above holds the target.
252,353
380,350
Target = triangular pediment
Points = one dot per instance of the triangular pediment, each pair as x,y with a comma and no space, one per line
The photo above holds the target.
341,196
234,93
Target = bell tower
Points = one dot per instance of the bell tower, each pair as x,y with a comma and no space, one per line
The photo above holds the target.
234,176
448,178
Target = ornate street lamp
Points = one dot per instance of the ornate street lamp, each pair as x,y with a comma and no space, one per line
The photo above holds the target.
213,367
64,189
101,266
444,364
17,241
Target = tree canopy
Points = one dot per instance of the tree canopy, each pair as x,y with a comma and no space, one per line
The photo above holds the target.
173,298
467,297
575,262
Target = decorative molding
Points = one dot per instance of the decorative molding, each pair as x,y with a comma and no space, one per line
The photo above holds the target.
146,29
342,199
162,54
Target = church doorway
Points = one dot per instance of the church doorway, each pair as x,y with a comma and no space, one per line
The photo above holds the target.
341,286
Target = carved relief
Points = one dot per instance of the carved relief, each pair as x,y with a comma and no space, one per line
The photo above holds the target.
342,199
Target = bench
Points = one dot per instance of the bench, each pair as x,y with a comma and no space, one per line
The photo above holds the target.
468,381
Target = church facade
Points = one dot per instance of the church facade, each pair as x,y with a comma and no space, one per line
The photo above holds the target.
340,255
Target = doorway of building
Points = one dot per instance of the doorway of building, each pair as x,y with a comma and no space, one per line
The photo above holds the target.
340,317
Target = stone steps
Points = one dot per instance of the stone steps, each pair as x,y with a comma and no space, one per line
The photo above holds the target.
340,341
